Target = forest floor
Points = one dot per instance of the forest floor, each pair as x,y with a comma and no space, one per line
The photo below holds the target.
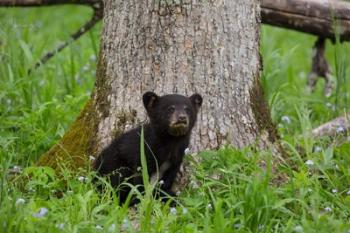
229,192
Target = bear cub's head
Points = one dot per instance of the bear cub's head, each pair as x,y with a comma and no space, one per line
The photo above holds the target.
174,114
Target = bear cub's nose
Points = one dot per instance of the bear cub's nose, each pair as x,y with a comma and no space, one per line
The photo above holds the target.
182,119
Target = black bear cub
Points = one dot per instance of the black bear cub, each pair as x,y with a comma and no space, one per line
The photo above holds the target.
166,137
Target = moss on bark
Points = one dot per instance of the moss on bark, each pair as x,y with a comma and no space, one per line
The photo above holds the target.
73,149
262,116
261,111
79,142
102,87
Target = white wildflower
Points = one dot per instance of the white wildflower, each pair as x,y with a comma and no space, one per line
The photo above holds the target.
317,149
97,6
348,192
17,169
210,206
41,82
125,223
41,213
172,210
216,177
309,162
298,229
138,169
60,226
86,68
340,129
329,105
161,182
92,158
286,119
302,75
334,190
187,151
20,201
92,58
99,227
194,184
328,209
111,228
178,193
82,179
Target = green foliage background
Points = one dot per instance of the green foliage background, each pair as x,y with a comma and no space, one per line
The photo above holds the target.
229,192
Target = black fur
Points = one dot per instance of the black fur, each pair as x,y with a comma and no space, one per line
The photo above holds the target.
172,118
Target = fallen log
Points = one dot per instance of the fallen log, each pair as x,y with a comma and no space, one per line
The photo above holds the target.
339,125
317,17
323,18
37,3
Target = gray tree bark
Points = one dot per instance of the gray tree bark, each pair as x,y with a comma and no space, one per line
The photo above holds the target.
209,47
173,46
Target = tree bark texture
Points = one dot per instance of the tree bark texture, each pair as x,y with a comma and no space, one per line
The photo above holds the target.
324,18
181,47
188,46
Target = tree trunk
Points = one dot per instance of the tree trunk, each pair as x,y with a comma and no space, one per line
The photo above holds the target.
208,47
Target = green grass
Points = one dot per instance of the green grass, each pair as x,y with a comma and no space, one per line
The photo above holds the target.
229,192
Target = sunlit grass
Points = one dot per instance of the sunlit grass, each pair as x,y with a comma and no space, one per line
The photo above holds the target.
36,108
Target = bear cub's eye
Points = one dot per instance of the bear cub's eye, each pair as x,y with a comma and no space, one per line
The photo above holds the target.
187,109
171,109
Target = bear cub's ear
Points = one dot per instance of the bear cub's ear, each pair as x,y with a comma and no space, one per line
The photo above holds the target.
196,100
149,99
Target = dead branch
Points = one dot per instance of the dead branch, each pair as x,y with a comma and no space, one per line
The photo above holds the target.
317,17
96,17
325,19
